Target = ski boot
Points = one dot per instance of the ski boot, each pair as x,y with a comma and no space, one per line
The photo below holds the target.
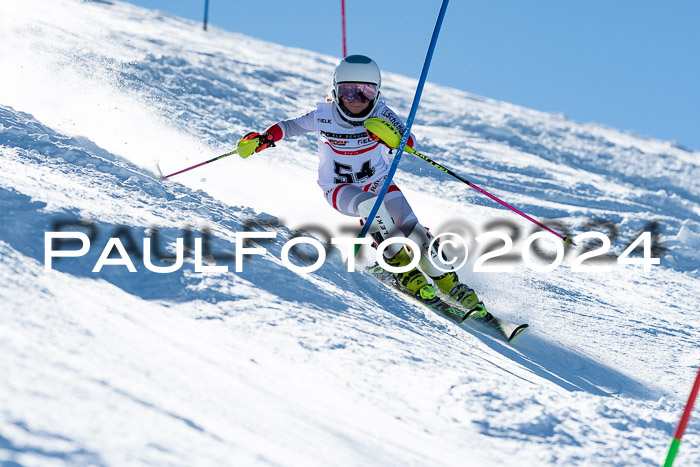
383,227
413,280
459,294
446,283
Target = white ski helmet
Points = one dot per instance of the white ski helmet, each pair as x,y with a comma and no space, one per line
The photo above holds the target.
356,69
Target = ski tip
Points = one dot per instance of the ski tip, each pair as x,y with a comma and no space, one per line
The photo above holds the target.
517,332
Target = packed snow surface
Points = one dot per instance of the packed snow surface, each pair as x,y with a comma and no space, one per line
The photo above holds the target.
273,366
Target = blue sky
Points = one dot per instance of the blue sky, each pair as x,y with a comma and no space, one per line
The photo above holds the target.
633,65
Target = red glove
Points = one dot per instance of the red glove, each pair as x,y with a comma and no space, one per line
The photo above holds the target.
265,140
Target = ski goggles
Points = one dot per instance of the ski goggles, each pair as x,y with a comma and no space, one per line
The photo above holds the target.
352,92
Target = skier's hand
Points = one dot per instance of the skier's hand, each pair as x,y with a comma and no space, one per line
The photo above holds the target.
265,141
377,138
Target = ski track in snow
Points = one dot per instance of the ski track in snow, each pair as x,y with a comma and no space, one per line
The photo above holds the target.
269,366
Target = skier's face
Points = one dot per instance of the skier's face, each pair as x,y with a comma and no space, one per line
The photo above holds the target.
355,106
356,97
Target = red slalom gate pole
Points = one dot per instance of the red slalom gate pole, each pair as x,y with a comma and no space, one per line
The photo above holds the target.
685,418
342,15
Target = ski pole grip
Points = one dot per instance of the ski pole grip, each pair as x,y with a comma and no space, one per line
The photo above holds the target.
246,147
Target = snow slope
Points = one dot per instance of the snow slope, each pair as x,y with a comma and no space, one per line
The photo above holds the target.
268,366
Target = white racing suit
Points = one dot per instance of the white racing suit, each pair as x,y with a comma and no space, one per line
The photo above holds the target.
352,170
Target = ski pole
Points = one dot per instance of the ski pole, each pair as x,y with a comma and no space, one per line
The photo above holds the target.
388,134
685,418
245,148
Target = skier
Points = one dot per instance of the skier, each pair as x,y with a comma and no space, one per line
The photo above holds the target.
353,167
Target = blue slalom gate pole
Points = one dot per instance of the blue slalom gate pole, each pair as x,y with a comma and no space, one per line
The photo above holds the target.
409,122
